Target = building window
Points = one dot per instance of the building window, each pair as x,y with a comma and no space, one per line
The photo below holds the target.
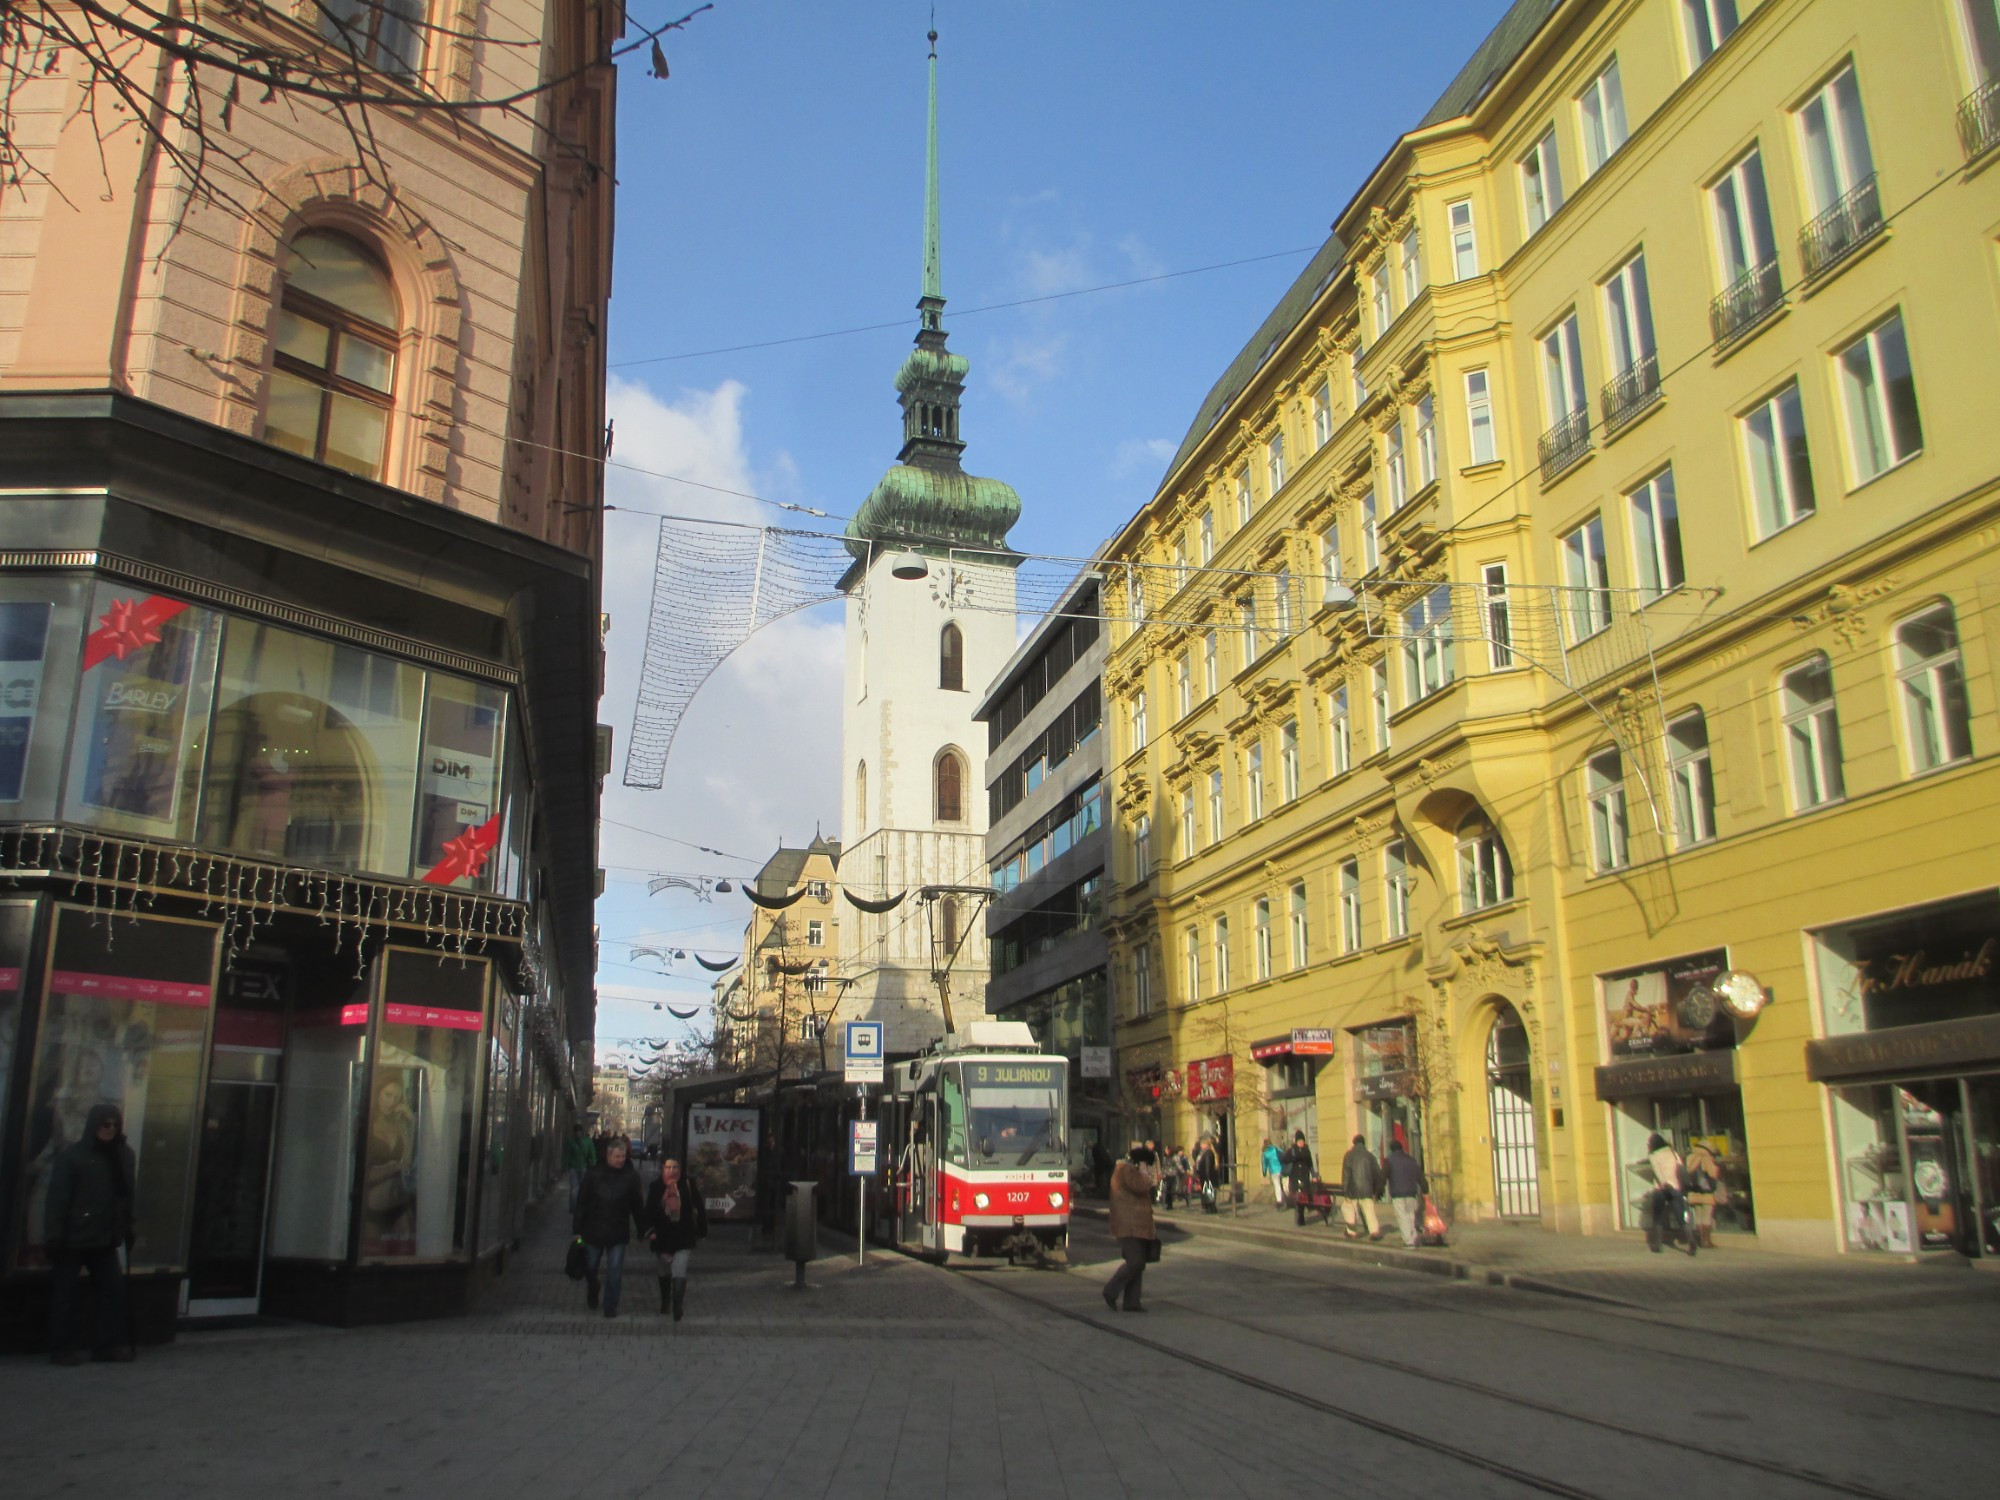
1709,24
1378,701
1221,936
1427,447
1301,937
1142,981
1834,138
1371,538
1413,268
1656,536
1339,736
1323,415
1427,644
1485,874
1211,664
1464,249
1357,382
1378,297
1180,563
1329,563
1601,115
1610,830
1350,906
860,796
1479,416
385,34
1587,580
1244,502
1142,847
815,934
950,780
951,660
1281,587
1395,890
333,374
1541,181
1253,781
1562,370
1274,461
1628,318
1288,759
1135,597
1812,734
1207,537
1496,616
1191,955
1215,822
1392,466
1263,937
1139,720
1930,678
1188,841
1774,448
1692,775
1184,684
1746,248
1880,395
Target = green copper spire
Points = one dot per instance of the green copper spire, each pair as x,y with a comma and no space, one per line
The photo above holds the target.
927,500
933,275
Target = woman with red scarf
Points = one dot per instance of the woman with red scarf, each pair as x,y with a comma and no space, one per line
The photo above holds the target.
675,1218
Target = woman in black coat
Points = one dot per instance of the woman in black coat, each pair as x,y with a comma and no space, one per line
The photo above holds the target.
608,1204
675,1218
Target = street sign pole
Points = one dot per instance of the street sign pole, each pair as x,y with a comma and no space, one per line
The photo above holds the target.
861,1224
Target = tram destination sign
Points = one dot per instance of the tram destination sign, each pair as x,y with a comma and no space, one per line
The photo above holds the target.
1032,1074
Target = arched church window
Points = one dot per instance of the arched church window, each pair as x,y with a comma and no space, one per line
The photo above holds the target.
950,780
334,373
860,798
948,922
951,659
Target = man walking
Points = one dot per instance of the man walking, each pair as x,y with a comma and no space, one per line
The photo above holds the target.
1406,1190
1361,1184
1300,1161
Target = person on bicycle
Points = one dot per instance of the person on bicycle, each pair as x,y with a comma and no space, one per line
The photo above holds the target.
1669,1205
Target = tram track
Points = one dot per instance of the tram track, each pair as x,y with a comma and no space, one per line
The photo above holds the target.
1486,1463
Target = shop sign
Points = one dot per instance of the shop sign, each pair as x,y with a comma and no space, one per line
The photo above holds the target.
1905,1049
722,1159
1687,1073
1386,1086
1667,1008
1210,1079
1940,963
139,667
1312,1041
1096,1063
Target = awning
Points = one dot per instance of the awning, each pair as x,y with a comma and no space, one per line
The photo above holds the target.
1305,1041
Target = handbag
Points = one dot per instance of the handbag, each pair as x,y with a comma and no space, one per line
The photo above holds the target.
1431,1223
1700,1180
577,1266
1152,1251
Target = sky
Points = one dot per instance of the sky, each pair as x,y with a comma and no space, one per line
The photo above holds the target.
770,200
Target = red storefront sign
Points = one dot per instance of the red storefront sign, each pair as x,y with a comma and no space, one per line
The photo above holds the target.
1210,1079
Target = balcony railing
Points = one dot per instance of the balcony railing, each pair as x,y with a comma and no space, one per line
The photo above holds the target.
1565,443
1749,300
1841,230
1631,393
1979,119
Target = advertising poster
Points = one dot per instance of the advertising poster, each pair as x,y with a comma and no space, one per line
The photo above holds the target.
1667,1009
458,787
138,673
1211,1079
24,638
722,1159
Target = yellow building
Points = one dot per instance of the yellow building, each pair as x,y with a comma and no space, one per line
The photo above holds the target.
1560,703
777,1008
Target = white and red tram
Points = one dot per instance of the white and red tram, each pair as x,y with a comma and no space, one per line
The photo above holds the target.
978,1135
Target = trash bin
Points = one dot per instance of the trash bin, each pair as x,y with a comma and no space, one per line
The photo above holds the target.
801,1230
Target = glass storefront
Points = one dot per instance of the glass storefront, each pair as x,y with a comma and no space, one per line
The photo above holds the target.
1385,1088
1910,1053
17,925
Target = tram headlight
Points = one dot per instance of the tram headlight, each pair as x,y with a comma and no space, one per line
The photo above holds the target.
980,1200
1056,1199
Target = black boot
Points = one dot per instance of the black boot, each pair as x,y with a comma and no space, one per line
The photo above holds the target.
663,1296
680,1295
590,1292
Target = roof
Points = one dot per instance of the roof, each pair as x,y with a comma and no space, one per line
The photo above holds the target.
1503,46
782,870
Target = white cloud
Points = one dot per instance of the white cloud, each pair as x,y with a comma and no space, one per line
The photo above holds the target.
1141,458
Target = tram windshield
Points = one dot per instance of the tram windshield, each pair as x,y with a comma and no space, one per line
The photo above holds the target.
1015,1115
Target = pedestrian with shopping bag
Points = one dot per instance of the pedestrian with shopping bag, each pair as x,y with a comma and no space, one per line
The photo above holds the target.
1131,1216
1406,1191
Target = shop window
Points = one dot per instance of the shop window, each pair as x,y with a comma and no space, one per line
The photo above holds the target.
1485,873
313,760
1812,734
325,1089
146,675
40,620
1930,680
125,1023
17,922
951,659
499,1167
457,807
333,375
422,1091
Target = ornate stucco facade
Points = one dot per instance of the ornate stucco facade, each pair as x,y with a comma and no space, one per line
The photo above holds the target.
1597,609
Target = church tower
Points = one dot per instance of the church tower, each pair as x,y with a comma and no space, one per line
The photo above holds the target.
920,649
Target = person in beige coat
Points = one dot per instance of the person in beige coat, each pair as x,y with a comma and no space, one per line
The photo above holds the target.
1132,1184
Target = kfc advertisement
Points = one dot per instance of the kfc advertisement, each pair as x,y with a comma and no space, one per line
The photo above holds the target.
722,1159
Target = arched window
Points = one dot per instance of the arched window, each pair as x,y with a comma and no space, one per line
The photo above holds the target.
860,797
948,924
951,660
334,373
950,782
1485,874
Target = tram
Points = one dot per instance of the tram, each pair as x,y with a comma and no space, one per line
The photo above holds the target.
978,1132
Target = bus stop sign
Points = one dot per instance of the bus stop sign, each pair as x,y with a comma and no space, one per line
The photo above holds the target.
862,1054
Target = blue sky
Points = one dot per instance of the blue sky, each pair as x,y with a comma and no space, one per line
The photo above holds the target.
773,188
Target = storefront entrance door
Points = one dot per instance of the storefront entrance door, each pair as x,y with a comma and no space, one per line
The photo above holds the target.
232,1184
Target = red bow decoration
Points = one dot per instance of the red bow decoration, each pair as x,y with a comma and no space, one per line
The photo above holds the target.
129,625
465,855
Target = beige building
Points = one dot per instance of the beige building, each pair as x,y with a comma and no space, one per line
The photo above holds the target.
1557,700
778,1007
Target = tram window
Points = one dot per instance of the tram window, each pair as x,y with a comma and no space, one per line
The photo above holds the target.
951,1098
1017,1124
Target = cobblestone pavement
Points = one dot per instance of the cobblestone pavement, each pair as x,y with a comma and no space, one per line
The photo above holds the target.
1260,1371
